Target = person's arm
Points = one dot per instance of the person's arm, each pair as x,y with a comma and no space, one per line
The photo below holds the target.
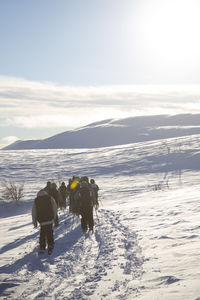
34,215
54,206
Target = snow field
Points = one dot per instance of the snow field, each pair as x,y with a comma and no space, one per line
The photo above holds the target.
146,239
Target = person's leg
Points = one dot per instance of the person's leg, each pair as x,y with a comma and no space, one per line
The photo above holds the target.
90,220
70,203
84,222
50,238
42,238
56,222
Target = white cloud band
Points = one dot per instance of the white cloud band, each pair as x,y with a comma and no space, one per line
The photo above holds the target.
31,104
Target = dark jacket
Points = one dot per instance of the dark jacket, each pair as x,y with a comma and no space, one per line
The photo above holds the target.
44,210
86,201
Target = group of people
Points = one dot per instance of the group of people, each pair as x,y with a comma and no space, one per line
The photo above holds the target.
83,197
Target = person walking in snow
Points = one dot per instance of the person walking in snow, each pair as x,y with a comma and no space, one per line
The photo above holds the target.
86,207
63,193
44,212
51,189
72,188
95,189
48,187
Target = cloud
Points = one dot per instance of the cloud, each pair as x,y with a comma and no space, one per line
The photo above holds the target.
9,139
32,104
42,121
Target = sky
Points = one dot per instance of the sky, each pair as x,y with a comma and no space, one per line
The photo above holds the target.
65,64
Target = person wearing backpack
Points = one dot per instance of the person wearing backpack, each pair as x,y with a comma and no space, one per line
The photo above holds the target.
44,212
95,189
47,188
73,188
64,193
51,189
86,207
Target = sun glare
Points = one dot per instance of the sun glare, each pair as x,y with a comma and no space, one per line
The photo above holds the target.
169,32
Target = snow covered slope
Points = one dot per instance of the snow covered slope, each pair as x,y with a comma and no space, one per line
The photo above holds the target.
117,132
146,241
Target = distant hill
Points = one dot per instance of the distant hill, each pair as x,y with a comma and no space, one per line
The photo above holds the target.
117,132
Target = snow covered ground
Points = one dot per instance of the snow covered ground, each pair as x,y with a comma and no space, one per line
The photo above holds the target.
146,241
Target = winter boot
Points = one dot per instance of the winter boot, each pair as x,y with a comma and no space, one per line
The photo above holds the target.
50,249
41,251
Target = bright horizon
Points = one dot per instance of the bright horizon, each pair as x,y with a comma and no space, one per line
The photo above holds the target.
67,64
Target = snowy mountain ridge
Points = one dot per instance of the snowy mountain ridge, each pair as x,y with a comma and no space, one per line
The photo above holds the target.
113,132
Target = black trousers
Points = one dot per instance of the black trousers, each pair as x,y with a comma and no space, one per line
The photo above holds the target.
56,221
87,219
46,235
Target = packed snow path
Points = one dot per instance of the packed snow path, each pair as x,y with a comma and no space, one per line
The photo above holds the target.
79,262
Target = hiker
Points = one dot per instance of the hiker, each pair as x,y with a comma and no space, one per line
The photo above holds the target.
44,212
86,207
51,189
74,188
85,178
95,189
48,187
69,191
63,193
57,197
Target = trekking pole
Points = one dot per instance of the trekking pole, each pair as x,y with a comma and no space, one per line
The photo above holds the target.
65,215
72,223
97,215
101,201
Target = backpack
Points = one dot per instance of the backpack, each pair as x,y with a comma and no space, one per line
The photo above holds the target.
44,208
63,195
86,198
82,199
